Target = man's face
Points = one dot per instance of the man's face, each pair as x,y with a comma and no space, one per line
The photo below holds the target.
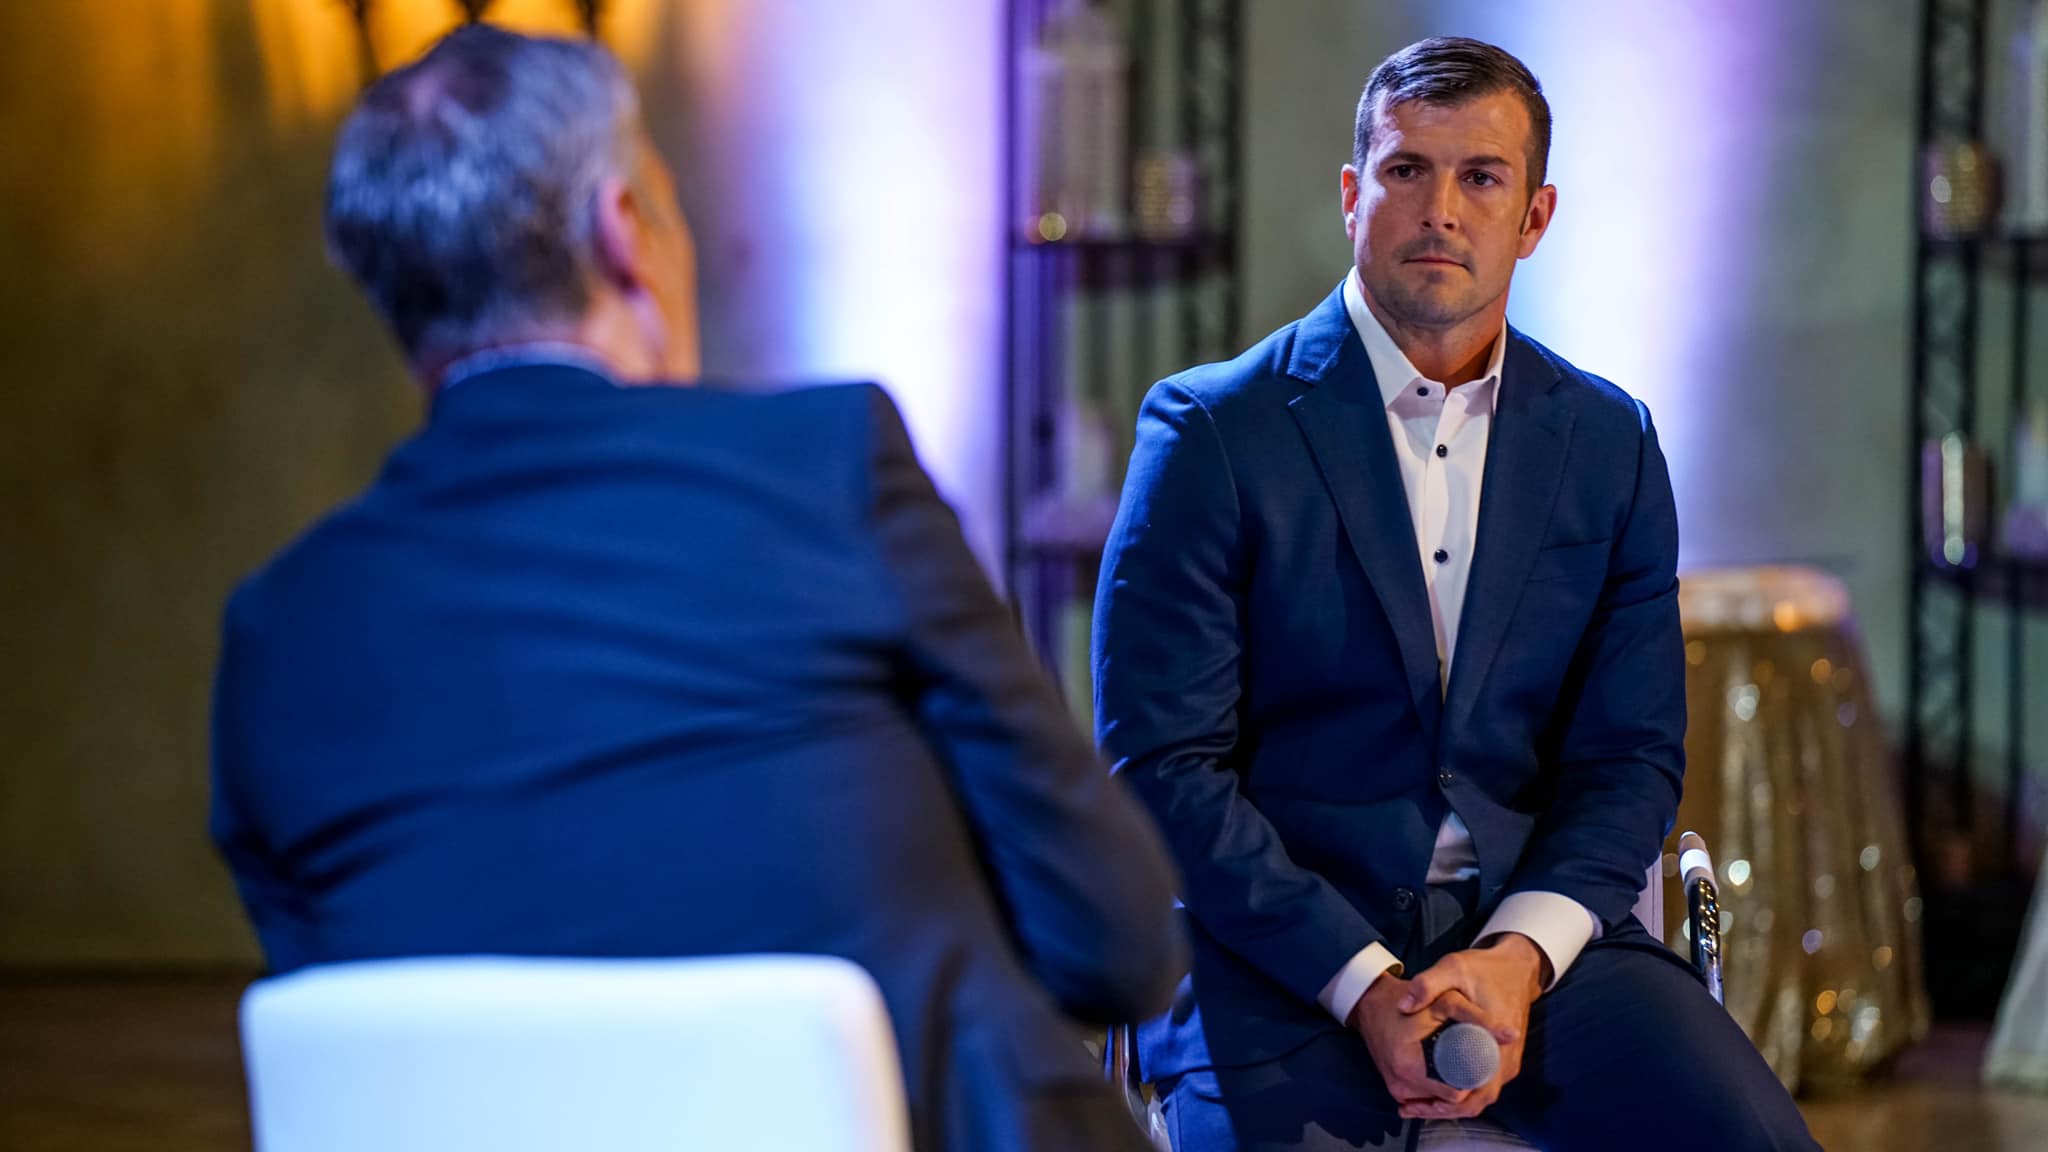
1442,210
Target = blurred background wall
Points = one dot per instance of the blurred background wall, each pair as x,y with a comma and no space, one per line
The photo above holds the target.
190,384
187,386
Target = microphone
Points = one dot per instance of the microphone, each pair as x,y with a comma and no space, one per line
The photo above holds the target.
1462,1056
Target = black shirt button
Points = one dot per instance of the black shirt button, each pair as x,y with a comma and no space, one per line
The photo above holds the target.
1442,451
1442,557
1403,899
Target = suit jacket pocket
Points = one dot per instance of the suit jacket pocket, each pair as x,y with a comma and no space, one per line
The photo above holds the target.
1561,560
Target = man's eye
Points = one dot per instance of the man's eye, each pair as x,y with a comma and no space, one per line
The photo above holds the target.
1402,171
1483,179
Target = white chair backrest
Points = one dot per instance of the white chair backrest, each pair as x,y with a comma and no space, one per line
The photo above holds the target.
546,1055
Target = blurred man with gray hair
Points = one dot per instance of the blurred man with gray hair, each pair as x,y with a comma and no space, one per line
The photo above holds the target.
596,669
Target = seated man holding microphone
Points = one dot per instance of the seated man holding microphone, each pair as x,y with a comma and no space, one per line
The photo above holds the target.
1387,637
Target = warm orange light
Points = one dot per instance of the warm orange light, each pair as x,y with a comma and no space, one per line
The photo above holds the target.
313,53
402,31
312,58
630,28
1786,616
627,27
143,100
537,17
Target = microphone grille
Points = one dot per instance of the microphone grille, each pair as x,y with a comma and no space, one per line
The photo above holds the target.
1467,1056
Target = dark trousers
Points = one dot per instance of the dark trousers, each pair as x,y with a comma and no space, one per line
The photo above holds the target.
1628,1050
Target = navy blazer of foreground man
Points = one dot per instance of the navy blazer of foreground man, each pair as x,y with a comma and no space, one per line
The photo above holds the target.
653,671
1302,763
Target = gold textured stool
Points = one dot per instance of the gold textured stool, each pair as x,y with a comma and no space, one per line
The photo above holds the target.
1788,777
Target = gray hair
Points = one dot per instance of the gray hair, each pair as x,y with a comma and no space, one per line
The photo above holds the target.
1450,72
463,190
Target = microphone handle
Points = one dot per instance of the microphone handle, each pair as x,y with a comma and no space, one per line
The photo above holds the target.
1429,1056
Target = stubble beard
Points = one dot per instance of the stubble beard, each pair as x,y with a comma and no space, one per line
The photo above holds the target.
1430,308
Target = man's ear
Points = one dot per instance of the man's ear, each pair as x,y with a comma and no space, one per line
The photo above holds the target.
1536,219
1347,199
617,234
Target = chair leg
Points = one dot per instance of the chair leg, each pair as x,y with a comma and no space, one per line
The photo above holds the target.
1120,1065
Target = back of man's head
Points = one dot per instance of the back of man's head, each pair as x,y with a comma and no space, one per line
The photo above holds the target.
463,191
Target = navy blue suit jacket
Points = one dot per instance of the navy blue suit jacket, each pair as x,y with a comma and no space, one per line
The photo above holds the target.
603,671
1266,670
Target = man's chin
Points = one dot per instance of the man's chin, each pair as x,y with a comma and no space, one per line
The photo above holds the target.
1430,311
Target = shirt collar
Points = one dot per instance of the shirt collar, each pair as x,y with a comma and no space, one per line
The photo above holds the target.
528,355
1391,367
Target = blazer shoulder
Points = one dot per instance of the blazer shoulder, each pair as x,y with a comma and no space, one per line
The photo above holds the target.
302,566
790,409
839,410
825,432
1251,379
859,420
1593,396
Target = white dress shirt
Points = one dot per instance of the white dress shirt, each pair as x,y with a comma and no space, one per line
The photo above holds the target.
1440,439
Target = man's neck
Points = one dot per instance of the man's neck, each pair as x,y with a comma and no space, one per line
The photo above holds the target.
520,353
605,334
614,330
1451,356
536,343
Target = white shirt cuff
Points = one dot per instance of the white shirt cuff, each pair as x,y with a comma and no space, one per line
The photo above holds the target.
1559,926
1348,986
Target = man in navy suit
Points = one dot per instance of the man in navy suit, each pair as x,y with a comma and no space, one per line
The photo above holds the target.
603,669
1387,637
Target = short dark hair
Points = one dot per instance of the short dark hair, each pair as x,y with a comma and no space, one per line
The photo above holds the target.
463,186
1450,71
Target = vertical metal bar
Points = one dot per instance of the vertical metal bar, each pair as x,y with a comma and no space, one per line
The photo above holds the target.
1187,39
1144,305
1962,784
1940,723
1148,81
1232,172
1916,587
1138,119
1063,262
2015,585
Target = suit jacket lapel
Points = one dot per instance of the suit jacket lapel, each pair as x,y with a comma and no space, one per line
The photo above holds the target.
1525,457
1344,419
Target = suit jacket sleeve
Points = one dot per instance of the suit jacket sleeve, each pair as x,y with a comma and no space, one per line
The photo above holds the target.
1081,872
262,883
1617,736
1168,640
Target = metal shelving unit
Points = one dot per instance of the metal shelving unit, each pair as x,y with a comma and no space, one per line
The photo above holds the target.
1104,317
1972,908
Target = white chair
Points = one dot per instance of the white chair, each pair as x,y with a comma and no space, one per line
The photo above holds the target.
1703,914
548,1055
